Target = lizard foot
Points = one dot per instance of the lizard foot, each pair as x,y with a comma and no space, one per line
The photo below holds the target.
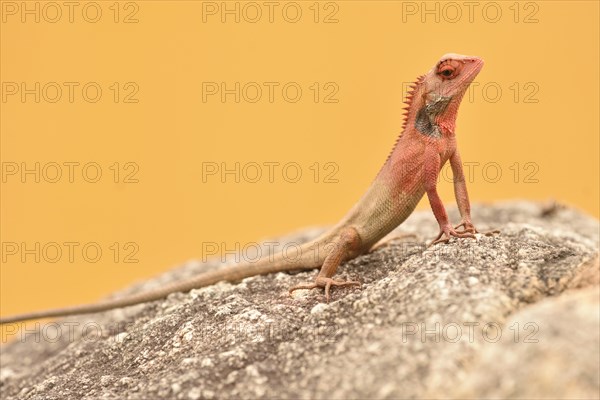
322,282
447,232
469,228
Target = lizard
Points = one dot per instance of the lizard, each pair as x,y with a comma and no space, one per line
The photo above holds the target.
426,143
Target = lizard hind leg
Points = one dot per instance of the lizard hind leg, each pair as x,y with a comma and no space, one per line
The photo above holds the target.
347,245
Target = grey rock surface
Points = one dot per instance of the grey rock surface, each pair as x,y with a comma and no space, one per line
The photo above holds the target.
513,315
552,351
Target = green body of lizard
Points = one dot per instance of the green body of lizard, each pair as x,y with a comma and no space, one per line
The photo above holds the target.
411,171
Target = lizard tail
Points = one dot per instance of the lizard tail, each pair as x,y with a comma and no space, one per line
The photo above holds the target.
231,273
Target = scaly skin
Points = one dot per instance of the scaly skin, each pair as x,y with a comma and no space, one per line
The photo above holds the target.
425,145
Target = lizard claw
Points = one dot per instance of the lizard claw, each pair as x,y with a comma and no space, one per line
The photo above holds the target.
325,283
468,227
447,232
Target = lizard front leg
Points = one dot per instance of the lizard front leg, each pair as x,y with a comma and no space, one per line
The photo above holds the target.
347,243
430,176
462,197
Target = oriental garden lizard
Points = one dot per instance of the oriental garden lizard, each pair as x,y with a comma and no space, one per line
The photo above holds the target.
411,170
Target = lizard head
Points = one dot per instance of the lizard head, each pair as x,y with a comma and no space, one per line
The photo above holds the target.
441,90
451,76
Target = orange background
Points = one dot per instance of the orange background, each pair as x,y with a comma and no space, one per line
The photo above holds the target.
534,111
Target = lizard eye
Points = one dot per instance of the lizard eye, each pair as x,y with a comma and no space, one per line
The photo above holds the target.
447,72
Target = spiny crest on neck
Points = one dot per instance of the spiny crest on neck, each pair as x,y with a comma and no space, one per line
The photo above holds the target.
410,99
412,90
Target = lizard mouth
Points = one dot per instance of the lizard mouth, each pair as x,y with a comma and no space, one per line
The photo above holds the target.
474,68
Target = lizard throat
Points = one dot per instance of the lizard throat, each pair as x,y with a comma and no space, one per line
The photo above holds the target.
435,117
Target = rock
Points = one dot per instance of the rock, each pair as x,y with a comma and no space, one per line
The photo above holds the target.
427,322
552,350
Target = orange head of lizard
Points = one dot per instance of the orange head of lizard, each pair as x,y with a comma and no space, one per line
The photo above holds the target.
443,88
